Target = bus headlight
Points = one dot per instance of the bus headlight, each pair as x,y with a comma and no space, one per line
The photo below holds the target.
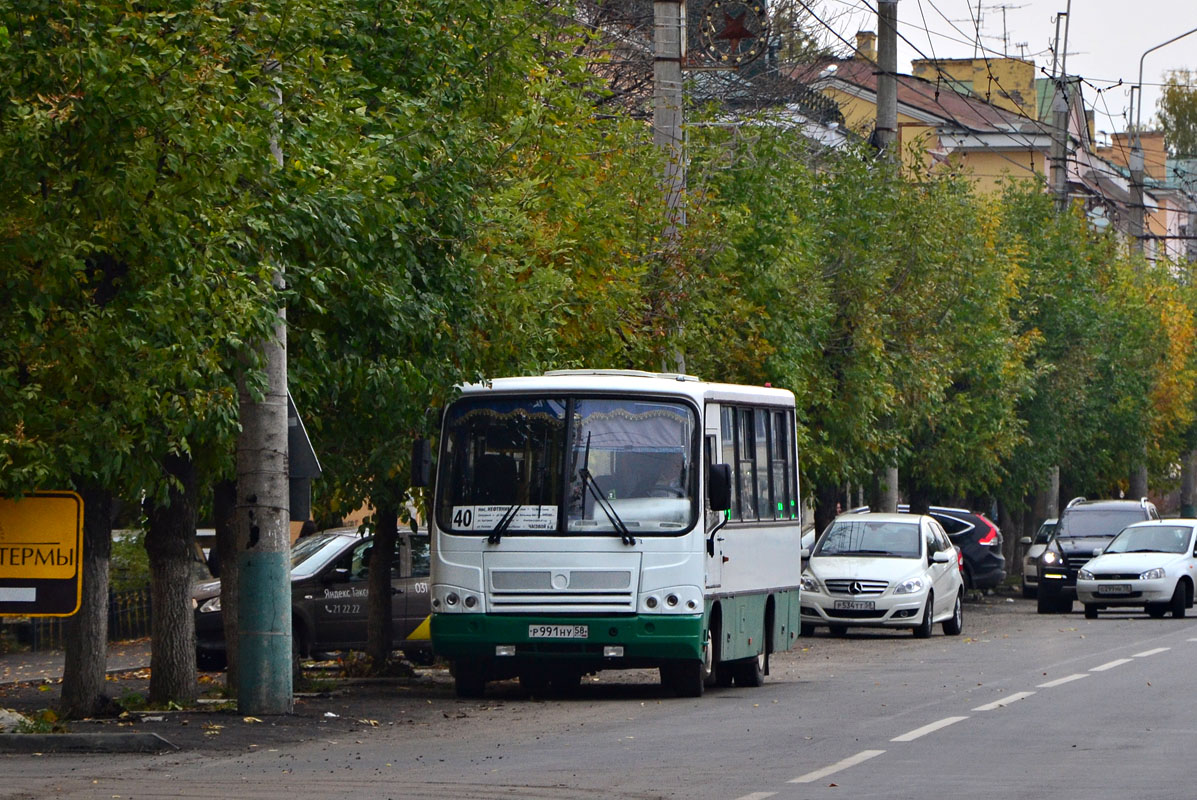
455,600
672,600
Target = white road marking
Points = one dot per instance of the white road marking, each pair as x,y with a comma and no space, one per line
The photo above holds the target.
851,761
1118,662
1005,701
1147,653
911,735
1062,681
757,796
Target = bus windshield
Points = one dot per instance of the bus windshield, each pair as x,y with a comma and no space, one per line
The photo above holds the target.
568,466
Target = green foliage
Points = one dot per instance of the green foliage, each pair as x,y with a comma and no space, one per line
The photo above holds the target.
1176,112
129,565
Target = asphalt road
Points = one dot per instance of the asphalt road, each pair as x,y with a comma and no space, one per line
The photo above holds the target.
1020,705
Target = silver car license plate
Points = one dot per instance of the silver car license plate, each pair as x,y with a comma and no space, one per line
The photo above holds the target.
855,605
1113,588
558,631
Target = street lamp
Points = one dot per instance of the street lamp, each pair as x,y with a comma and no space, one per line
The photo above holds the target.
1136,159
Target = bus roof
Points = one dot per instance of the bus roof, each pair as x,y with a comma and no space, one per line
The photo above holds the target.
604,381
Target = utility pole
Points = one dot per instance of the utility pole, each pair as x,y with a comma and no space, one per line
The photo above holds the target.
886,138
669,48
1138,477
264,674
886,132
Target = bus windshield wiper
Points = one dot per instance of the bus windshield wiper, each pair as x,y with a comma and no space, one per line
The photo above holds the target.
504,523
588,482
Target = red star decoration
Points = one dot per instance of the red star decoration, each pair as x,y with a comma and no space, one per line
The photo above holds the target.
734,30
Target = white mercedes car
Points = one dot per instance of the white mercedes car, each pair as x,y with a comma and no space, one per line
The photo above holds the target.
883,570
1150,565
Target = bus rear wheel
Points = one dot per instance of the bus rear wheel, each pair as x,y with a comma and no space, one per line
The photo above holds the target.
751,671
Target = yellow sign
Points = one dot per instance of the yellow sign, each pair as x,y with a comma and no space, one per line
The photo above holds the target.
41,544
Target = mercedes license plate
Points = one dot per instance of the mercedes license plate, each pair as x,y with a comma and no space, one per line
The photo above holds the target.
1113,588
855,605
558,631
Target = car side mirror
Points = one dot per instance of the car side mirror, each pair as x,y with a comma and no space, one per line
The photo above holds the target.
421,462
1097,551
337,575
1026,540
805,554
941,557
719,486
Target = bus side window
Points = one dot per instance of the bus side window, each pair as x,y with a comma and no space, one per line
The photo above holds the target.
727,425
745,464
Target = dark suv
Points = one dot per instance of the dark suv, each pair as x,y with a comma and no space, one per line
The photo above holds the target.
1085,526
979,540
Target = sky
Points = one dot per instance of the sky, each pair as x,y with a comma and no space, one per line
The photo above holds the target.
1106,39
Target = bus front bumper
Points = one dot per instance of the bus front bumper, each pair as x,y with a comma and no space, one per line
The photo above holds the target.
626,641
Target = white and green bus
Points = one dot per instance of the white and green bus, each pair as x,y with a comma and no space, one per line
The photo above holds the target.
603,519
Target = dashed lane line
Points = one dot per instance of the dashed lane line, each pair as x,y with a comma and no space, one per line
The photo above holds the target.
1062,681
1147,653
917,733
910,736
850,761
1005,701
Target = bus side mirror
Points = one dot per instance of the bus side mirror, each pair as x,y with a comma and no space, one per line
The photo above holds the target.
719,483
421,463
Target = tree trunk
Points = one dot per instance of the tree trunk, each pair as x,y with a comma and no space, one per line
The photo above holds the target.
86,641
378,621
170,542
826,497
224,511
1188,484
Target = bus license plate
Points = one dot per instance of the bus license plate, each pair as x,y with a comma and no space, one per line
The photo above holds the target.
558,631
856,605
1113,588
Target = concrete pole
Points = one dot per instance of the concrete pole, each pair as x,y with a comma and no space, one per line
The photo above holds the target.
1059,154
886,133
886,138
264,675
669,49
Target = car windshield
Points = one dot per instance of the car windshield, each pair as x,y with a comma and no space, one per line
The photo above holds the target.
1097,523
870,538
1045,533
311,553
1152,539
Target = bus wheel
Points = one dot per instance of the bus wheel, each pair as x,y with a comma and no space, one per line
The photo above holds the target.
469,678
751,671
685,678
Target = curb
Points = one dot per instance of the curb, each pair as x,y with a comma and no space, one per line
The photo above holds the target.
131,742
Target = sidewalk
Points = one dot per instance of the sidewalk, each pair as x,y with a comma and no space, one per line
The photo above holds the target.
26,666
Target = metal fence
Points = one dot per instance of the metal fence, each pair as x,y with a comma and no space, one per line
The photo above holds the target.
128,618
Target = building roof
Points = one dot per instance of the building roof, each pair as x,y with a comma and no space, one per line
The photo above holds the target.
937,101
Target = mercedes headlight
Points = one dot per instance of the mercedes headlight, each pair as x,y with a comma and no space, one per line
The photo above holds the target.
210,605
1051,557
909,586
809,584
1152,574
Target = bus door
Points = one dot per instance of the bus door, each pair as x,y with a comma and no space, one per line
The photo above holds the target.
714,536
